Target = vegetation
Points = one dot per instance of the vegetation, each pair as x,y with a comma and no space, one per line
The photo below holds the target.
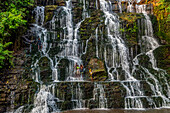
162,12
130,17
5,54
12,16
130,28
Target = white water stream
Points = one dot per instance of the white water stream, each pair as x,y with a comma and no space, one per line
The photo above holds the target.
116,57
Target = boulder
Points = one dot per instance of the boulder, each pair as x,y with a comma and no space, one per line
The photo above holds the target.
98,69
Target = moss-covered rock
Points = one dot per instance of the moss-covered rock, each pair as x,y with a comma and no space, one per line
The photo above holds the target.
45,70
17,84
98,69
89,25
129,27
49,10
162,55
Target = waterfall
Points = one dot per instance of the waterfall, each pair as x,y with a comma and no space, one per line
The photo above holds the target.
70,43
102,99
118,46
99,96
97,51
62,48
120,6
77,97
39,15
44,101
130,6
135,94
151,45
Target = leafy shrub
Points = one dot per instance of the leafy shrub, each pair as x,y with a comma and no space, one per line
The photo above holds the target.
5,55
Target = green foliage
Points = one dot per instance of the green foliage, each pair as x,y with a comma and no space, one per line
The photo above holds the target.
162,12
5,54
12,16
130,17
10,20
131,32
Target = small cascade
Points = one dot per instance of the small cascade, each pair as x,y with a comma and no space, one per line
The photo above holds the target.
12,101
130,7
97,4
39,15
55,75
78,102
19,110
99,96
69,24
119,56
97,50
120,6
134,95
44,101
85,13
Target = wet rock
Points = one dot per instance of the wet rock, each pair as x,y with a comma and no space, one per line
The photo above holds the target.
89,25
15,85
66,105
162,55
45,70
49,9
60,2
98,69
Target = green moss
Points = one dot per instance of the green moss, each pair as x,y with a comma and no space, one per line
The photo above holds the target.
130,17
162,55
130,29
49,12
90,24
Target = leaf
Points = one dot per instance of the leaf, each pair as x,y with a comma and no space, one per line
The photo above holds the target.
7,44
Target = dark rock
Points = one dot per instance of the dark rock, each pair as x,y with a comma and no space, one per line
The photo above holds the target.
162,55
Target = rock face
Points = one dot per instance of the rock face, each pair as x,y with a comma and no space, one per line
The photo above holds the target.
16,86
91,95
162,55
45,71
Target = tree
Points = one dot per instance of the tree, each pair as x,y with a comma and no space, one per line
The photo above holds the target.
12,16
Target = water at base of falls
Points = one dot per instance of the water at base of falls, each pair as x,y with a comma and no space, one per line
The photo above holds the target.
63,48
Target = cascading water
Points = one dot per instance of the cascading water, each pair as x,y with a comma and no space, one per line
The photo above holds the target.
39,15
119,58
120,6
44,102
135,93
130,6
97,51
99,96
77,97
62,48
151,45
